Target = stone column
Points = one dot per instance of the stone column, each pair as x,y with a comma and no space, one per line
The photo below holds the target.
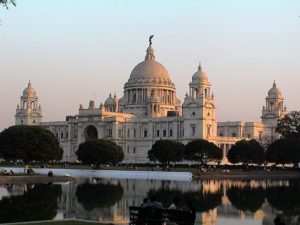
173,103
224,151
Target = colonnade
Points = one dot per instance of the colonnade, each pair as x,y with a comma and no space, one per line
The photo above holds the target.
140,95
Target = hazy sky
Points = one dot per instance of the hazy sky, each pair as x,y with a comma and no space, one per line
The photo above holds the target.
76,50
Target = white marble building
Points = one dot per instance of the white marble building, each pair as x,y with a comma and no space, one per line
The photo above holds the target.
149,110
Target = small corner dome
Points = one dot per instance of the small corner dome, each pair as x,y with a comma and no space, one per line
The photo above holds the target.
274,92
200,75
110,100
121,101
149,68
29,91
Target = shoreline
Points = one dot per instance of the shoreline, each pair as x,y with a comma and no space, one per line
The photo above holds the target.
248,175
216,175
33,179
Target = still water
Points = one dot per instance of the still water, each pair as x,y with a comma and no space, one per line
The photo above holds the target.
217,202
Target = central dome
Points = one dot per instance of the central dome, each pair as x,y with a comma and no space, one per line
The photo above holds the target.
149,68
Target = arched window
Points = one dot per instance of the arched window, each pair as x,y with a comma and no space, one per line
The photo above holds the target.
90,132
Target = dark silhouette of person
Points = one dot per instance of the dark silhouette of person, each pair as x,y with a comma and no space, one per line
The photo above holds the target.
145,201
277,221
175,203
190,208
153,203
150,212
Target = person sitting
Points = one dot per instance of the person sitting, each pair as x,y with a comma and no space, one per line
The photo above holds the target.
145,201
175,204
277,221
190,208
153,203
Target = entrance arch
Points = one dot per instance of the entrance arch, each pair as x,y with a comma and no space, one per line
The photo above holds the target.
90,133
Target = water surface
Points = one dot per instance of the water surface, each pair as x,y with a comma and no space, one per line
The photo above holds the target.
217,202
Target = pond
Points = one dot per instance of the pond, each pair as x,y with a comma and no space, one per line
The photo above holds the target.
217,202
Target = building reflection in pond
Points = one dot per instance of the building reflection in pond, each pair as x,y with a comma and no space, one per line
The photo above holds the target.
98,195
38,202
107,200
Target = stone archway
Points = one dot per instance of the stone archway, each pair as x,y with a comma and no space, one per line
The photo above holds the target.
90,133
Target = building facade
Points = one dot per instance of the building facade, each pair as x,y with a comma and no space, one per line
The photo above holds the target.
149,110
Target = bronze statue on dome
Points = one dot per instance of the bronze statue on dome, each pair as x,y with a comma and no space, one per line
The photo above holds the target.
150,40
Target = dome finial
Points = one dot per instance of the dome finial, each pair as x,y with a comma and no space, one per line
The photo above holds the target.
29,83
150,52
199,67
274,84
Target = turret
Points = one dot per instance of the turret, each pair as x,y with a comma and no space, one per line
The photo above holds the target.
199,109
28,112
200,86
272,112
274,108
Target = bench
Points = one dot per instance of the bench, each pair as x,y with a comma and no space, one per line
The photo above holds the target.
154,216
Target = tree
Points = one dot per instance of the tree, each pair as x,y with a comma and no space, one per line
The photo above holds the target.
246,198
166,151
98,195
202,151
37,203
282,151
289,125
285,198
100,151
29,143
5,3
246,152
204,201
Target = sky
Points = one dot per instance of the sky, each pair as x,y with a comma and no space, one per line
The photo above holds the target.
74,51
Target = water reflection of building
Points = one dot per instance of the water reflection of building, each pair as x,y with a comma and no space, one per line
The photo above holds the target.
133,192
